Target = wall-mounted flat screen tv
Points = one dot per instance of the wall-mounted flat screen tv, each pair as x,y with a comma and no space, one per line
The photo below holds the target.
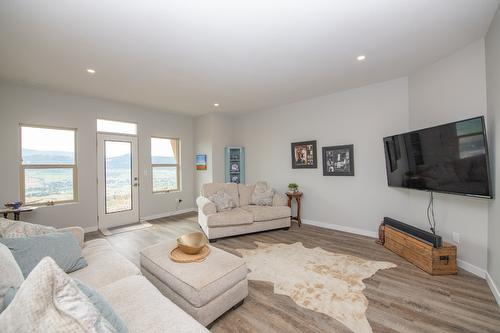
451,158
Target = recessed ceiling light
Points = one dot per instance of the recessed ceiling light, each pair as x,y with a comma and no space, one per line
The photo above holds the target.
361,57
216,105
90,71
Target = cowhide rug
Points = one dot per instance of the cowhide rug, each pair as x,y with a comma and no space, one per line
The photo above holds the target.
316,279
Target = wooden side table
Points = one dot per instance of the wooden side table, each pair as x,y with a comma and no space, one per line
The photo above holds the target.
297,196
17,212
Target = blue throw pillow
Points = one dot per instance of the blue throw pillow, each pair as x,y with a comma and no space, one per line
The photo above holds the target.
103,307
9,296
60,246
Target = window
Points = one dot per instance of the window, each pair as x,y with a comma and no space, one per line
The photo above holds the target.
165,156
111,126
48,165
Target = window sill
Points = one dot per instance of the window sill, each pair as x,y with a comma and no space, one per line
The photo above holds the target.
62,203
166,192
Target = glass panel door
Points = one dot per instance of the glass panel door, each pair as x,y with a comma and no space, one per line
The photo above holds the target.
118,180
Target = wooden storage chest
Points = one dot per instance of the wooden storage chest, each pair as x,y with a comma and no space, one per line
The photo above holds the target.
435,261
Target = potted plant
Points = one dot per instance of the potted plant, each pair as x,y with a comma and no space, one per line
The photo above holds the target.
293,187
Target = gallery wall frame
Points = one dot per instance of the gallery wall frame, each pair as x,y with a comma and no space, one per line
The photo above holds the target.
338,160
304,155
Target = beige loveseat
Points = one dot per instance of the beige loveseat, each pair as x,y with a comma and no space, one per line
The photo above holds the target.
244,218
135,300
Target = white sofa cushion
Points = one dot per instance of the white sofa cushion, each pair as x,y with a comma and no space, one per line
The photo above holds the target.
197,283
245,192
262,195
105,265
230,188
144,309
236,216
265,213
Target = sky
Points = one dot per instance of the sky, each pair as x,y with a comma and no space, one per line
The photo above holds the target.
161,147
48,139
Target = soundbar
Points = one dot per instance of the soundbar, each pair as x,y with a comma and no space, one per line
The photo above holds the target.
426,236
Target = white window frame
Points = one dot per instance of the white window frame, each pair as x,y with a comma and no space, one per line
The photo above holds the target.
119,121
177,165
23,167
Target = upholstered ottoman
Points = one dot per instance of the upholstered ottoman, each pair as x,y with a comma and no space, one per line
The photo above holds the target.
206,289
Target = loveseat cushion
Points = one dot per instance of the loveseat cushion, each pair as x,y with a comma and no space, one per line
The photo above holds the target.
236,216
105,265
144,309
246,192
230,188
266,213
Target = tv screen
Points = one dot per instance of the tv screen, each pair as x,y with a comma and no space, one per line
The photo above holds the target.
450,158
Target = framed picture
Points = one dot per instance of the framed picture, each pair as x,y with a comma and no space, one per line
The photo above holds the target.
304,155
338,160
201,162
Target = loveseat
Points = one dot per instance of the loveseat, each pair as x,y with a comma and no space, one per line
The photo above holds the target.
134,299
244,217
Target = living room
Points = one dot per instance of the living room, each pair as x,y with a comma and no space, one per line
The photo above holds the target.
176,87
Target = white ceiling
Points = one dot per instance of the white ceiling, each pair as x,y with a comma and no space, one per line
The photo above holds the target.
247,55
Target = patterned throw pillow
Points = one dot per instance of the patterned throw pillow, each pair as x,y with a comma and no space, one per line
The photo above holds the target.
222,201
20,229
50,301
262,195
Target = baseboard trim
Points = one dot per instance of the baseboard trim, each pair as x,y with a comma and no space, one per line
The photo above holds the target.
90,229
461,263
493,287
471,268
338,227
167,214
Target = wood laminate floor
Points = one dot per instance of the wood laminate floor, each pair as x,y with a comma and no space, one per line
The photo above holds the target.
402,299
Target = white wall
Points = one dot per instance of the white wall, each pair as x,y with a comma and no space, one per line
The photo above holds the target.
222,138
361,117
493,84
38,106
450,90
213,132
203,145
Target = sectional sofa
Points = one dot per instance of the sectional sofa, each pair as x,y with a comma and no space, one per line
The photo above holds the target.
135,300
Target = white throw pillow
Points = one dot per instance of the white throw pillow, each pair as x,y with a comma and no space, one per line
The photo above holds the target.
20,229
262,195
10,273
222,201
50,301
